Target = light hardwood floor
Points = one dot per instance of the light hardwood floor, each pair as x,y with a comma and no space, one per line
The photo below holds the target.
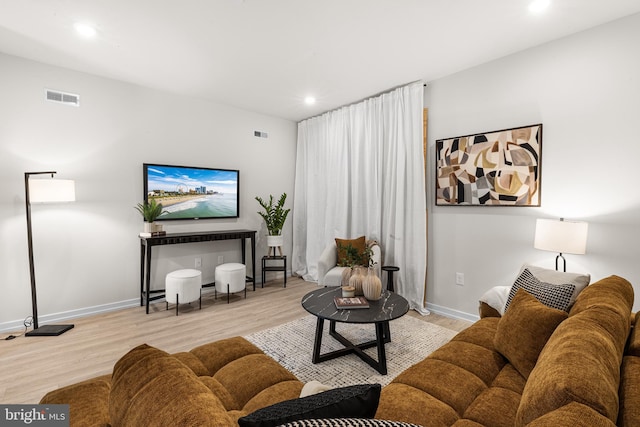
32,366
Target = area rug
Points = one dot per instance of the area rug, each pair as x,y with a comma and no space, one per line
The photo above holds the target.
291,345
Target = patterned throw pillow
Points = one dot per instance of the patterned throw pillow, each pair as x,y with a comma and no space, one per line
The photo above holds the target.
580,280
554,296
356,401
347,422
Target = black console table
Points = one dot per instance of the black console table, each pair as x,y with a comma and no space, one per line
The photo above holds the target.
146,243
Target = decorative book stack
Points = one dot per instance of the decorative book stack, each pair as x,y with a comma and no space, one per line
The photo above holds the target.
153,234
351,303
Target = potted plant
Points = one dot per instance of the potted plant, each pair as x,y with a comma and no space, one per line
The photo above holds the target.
355,258
150,211
274,216
355,262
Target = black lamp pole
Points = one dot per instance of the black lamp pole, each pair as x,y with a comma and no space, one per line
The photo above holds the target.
47,330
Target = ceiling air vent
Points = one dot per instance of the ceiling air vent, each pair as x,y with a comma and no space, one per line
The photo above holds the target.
62,97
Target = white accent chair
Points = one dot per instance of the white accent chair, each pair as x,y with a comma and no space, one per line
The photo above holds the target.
230,278
330,274
182,287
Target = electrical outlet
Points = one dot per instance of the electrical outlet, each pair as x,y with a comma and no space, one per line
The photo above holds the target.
220,259
198,262
460,279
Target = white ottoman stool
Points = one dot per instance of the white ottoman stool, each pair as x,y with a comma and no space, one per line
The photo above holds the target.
183,286
231,278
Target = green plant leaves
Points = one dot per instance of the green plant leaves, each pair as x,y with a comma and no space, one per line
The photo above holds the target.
150,210
274,215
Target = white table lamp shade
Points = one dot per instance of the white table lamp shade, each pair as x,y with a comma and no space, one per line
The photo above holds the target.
51,190
568,237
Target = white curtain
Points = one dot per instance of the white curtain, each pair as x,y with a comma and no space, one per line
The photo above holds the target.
360,171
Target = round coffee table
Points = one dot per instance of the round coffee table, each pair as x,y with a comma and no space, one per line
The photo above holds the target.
320,303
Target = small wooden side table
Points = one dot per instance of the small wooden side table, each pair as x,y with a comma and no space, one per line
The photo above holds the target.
267,266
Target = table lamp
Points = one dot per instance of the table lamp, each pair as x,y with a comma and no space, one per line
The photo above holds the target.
44,191
561,236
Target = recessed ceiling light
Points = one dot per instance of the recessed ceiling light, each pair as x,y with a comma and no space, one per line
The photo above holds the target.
310,100
85,30
537,6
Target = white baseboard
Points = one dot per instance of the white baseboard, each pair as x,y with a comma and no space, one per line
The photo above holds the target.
18,325
449,312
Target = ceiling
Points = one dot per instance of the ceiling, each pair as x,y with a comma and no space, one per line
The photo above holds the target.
268,55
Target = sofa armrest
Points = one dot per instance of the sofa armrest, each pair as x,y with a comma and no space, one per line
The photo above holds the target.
88,401
495,298
485,310
328,260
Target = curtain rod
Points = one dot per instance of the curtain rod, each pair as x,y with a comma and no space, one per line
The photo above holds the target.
363,99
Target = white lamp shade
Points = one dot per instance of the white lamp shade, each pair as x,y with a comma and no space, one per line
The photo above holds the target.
52,190
568,237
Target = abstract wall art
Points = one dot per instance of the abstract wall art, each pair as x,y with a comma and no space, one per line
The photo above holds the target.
499,168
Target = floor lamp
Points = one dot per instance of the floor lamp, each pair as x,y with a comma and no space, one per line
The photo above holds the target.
562,236
44,191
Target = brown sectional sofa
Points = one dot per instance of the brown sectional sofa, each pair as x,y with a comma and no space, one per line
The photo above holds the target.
211,385
587,374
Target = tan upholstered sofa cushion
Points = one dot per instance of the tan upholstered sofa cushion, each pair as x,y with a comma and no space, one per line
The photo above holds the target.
213,384
630,382
634,340
88,401
581,361
438,390
630,392
524,330
151,387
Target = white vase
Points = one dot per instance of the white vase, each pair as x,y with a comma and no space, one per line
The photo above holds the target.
345,276
148,227
372,285
357,280
275,241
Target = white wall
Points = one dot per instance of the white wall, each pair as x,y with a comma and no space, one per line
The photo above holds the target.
87,253
585,89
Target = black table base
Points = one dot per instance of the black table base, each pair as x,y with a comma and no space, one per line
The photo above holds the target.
321,304
383,336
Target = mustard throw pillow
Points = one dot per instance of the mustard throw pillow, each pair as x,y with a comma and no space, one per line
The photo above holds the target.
524,330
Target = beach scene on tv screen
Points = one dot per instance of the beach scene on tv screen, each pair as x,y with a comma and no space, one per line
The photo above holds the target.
192,192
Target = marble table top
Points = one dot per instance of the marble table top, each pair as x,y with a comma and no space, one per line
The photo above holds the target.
320,303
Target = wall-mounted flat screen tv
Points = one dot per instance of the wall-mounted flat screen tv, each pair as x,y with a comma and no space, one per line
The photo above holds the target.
188,192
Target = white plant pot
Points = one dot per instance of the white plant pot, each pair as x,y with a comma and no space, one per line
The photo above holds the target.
148,227
274,241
